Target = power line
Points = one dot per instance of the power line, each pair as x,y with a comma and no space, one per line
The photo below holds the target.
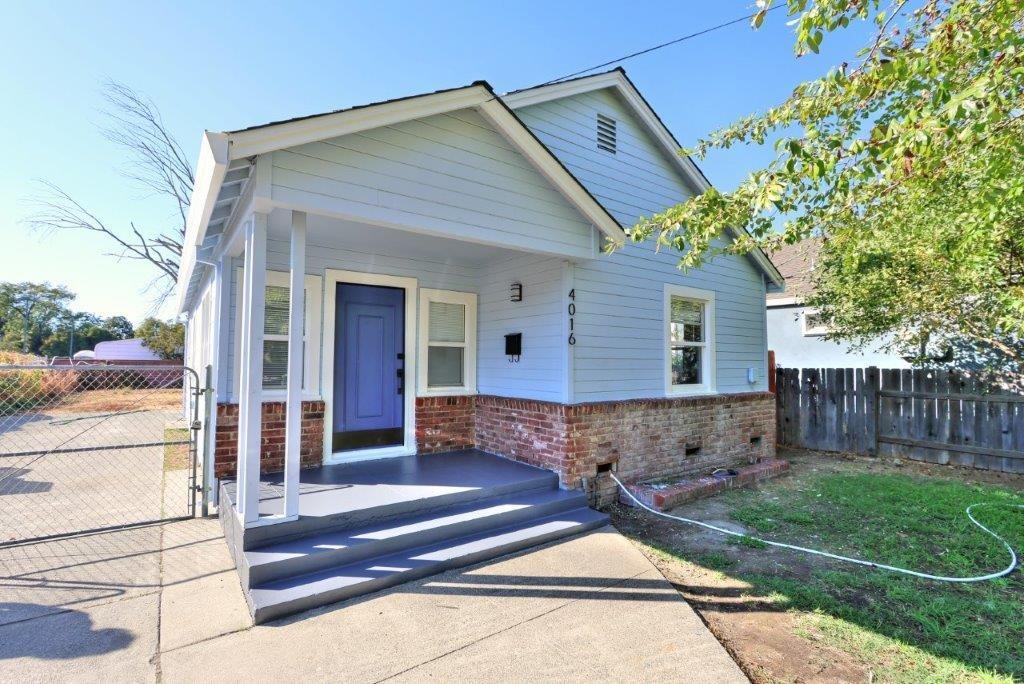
657,47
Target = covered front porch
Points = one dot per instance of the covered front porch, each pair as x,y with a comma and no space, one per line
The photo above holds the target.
395,332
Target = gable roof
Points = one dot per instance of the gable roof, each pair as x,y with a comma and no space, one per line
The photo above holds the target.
617,80
796,263
225,156
224,168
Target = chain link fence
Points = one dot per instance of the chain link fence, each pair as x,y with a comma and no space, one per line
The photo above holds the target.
90,448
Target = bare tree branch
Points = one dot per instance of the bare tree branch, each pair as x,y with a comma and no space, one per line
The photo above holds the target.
157,162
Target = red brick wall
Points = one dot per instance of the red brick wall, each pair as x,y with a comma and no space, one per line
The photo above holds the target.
444,424
534,432
273,427
648,437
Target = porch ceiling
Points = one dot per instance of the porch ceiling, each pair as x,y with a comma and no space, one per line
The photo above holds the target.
327,232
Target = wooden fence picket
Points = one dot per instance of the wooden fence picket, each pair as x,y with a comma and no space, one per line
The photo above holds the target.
936,416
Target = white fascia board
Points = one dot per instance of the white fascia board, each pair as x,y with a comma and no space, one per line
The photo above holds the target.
783,301
632,97
211,168
293,133
551,168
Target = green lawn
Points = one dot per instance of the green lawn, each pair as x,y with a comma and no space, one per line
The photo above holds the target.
905,629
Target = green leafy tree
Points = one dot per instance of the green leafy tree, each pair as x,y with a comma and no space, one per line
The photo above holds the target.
165,338
119,327
908,163
31,312
89,331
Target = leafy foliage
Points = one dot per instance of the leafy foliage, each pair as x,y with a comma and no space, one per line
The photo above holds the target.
35,319
910,165
165,338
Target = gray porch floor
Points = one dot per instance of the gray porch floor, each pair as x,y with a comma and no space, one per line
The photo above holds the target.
330,490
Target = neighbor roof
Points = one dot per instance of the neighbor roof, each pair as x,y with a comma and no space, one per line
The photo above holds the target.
796,263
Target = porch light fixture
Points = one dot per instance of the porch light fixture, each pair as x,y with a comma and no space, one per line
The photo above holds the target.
516,290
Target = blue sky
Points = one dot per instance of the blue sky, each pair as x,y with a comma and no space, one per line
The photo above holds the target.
226,65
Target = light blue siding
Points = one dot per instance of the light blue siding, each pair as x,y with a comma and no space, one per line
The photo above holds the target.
619,324
441,275
540,373
449,175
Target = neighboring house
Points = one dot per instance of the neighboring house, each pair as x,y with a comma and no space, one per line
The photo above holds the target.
133,349
796,335
455,295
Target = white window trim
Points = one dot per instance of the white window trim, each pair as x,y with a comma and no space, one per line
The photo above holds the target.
469,300
708,372
814,330
313,310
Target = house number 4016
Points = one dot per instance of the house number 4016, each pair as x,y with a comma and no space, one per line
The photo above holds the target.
572,314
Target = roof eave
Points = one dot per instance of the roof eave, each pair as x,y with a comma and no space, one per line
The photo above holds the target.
211,168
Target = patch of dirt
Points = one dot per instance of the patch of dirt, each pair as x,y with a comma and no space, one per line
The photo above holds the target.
762,638
91,401
770,643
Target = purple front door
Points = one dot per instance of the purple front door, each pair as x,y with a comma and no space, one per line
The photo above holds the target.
369,367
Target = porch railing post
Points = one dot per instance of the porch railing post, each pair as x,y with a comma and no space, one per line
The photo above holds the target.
293,409
251,385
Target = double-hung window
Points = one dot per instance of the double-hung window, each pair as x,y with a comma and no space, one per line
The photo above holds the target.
447,348
689,340
275,334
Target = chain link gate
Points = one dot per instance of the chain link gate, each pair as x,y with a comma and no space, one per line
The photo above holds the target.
90,448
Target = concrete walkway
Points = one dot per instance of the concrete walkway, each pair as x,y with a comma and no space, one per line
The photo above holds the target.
164,604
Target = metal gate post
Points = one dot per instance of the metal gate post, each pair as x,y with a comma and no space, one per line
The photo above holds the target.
209,439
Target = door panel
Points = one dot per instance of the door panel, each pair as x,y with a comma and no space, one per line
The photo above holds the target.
369,367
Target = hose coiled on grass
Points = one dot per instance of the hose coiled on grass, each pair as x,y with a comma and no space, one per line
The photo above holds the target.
847,559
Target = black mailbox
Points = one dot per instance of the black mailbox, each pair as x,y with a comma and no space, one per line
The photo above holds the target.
513,346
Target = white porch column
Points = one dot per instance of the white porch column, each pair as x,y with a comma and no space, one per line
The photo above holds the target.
293,409
251,380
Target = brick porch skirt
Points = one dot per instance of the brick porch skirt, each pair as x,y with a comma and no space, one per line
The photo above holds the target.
225,456
647,438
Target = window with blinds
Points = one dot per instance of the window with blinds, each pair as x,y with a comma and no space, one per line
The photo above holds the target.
447,349
446,345
275,338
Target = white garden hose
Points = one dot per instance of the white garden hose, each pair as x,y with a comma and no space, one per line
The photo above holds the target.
979,578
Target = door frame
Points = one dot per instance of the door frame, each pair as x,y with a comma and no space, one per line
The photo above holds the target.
331,279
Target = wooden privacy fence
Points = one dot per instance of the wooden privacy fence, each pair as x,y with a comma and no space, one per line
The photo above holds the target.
926,415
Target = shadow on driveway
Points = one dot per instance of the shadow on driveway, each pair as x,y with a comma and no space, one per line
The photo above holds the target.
77,638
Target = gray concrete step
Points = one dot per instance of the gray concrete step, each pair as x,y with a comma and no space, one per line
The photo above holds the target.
342,547
291,595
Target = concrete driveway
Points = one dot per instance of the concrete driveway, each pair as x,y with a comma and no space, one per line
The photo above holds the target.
163,603
104,476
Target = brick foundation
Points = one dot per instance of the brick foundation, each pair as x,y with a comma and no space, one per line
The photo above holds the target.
646,438
444,424
272,451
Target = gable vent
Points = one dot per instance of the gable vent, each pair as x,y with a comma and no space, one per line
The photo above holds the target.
605,133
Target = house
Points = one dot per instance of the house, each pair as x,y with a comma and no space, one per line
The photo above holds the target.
796,335
416,338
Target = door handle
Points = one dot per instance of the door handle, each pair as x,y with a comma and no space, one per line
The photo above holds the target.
401,377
